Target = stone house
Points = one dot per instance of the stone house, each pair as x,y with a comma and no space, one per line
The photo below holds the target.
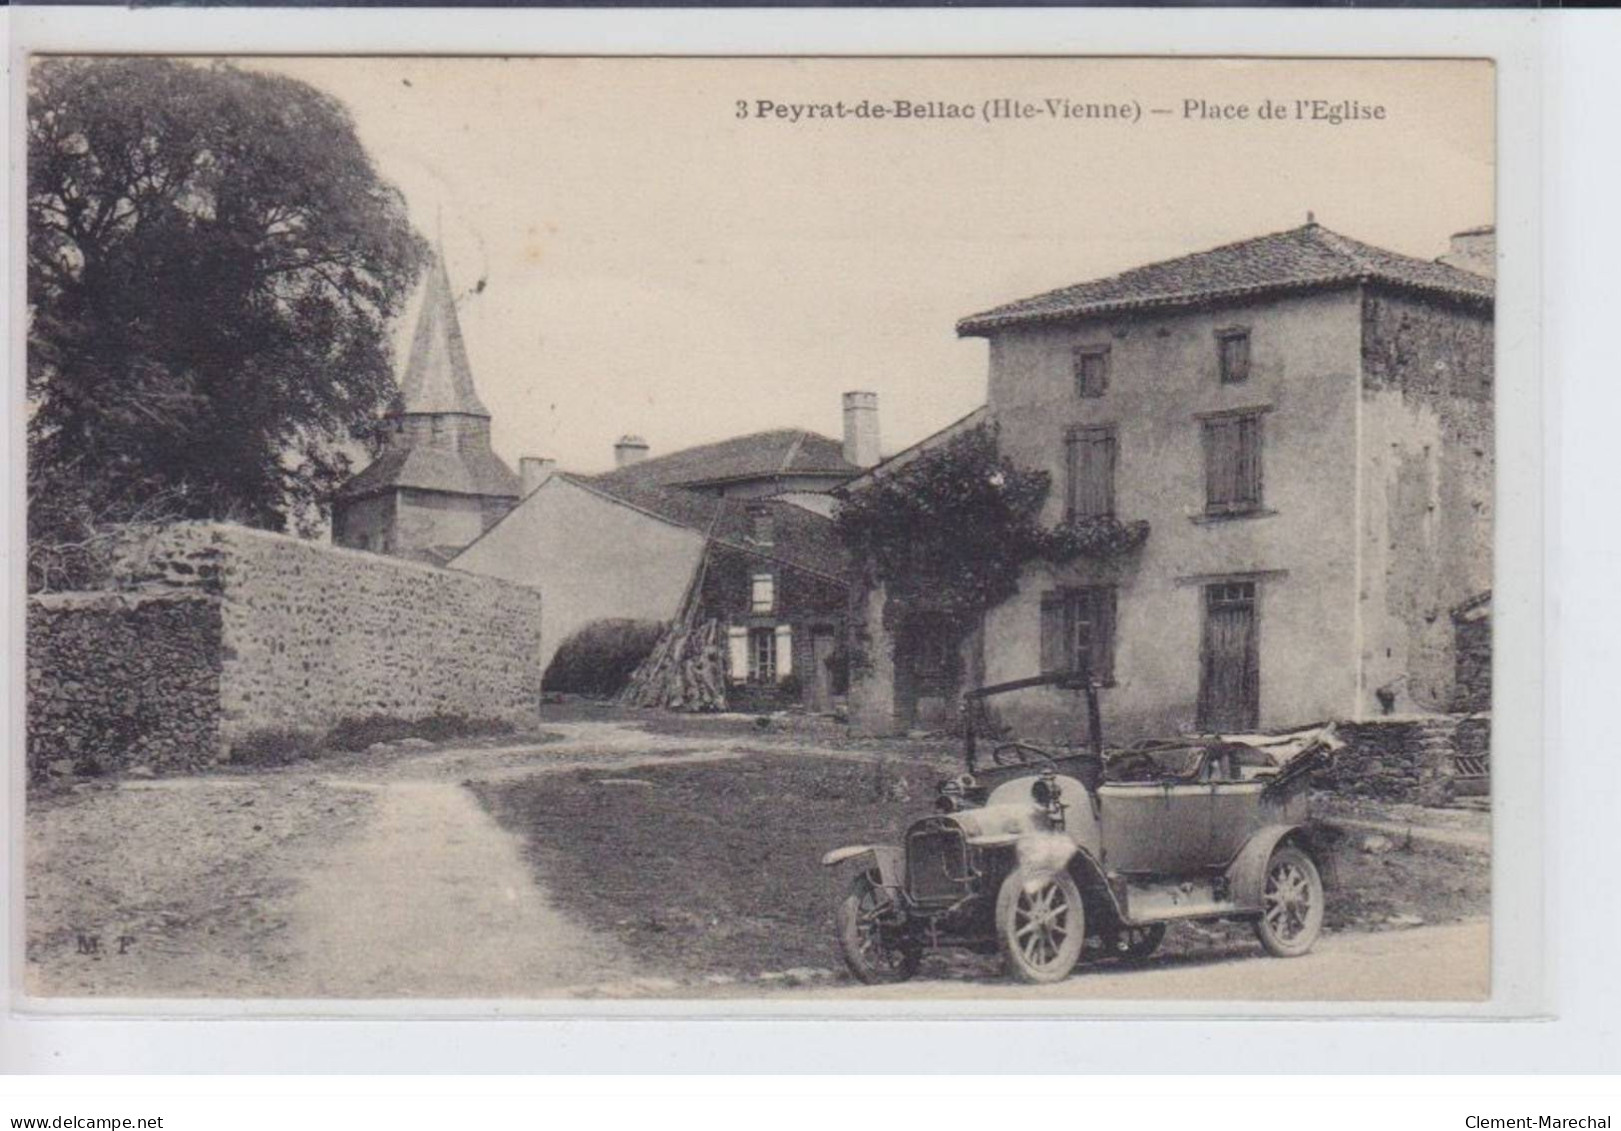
437,484
784,461
608,547
1304,421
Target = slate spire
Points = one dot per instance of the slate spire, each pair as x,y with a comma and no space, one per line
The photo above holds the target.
438,378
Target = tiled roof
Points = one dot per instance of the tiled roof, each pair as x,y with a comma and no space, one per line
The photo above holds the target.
1299,259
900,459
799,538
459,471
437,376
759,455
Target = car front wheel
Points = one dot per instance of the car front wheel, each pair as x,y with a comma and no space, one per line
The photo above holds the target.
1041,926
1291,904
874,946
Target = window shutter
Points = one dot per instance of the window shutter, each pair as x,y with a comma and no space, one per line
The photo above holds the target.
1221,471
1104,648
785,652
1248,485
1072,475
737,653
1054,634
1095,492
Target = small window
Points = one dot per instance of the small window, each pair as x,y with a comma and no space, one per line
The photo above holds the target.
762,655
1232,452
762,526
1090,455
1077,631
1234,346
1091,370
763,593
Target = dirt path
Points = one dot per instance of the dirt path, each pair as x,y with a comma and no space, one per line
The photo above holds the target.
381,875
1445,963
433,899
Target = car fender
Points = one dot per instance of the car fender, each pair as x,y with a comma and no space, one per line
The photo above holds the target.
1246,875
1089,874
885,859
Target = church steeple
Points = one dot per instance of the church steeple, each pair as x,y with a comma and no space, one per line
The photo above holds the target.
438,484
438,378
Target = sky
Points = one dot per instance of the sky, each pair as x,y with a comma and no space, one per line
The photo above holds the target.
661,258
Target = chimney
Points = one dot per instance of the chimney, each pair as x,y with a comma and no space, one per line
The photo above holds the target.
533,471
861,429
1475,251
629,450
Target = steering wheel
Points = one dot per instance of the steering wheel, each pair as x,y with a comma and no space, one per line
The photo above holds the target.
1003,755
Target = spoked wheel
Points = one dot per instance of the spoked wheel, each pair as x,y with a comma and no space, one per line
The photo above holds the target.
1134,942
1041,926
874,948
1291,904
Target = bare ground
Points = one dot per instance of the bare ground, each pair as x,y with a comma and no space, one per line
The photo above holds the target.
382,875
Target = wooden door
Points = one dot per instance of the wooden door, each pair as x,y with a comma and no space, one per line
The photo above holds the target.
819,680
1230,669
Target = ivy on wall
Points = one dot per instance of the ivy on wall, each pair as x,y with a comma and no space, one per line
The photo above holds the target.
952,530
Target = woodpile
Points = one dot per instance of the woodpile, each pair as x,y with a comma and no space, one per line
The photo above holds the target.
686,671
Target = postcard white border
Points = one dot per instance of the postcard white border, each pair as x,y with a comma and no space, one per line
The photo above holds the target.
258,1036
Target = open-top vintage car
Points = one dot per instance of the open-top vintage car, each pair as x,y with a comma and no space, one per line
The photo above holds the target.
1039,852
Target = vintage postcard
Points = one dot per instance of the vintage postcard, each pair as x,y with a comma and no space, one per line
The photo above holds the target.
760,530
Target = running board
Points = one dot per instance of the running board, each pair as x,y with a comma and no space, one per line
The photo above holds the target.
1164,900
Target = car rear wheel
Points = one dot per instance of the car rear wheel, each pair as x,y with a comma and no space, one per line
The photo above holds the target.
1041,926
1291,904
874,947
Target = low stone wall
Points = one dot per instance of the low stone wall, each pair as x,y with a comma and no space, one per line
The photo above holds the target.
1412,759
275,632
122,679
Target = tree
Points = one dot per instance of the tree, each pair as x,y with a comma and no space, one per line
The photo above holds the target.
213,266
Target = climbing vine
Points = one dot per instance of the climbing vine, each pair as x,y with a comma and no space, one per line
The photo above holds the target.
953,529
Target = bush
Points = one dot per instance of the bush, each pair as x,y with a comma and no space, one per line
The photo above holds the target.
600,657
275,746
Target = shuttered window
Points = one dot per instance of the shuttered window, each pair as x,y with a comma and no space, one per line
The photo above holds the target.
762,593
1091,370
1234,347
1077,631
1232,462
1091,457
762,655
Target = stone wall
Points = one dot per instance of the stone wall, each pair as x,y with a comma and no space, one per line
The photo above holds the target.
118,680
224,631
1409,759
312,633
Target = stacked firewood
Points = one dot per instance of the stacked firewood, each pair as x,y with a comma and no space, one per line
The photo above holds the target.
685,671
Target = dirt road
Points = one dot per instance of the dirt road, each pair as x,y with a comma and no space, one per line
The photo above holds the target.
381,875
1446,963
373,876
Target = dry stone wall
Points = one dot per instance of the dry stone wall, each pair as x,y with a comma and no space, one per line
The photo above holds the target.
122,679
224,631
1411,759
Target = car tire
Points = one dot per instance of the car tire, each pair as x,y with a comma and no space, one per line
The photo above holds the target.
1291,903
1041,930
873,954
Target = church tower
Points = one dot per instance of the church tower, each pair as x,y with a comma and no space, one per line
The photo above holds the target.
438,485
